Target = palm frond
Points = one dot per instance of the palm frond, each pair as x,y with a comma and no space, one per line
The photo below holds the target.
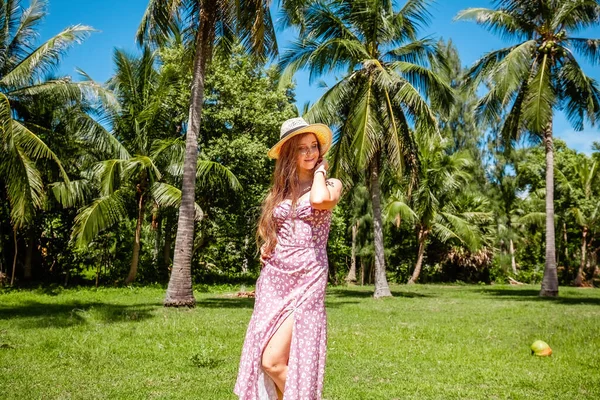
540,98
214,173
533,219
169,154
588,48
580,93
72,194
35,147
92,132
108,175
574,15
158,22
45,57
411,17
24,186
101,214
141,164
254,26
320,57
25,33
453,226
399,207
502,22
166,195
361,118
426,82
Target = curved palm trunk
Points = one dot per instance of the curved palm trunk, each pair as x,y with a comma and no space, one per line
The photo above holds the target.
167,245
422,238
565,241
14,266
550,281
135,259
579,278
27,267
513,262
179,291
382,288
351,278
157,222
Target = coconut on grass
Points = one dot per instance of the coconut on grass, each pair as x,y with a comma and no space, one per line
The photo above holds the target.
540,348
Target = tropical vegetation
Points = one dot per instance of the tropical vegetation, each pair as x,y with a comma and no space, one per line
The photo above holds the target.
451,173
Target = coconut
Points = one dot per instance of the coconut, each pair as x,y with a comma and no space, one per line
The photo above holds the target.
540,348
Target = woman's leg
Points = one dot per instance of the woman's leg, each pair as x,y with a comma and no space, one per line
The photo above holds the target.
277,353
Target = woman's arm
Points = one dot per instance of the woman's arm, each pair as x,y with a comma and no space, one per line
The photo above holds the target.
325,193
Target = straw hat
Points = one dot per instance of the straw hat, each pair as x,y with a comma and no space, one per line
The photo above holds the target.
298,126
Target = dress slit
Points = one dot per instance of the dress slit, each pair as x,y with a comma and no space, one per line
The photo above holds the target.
266,384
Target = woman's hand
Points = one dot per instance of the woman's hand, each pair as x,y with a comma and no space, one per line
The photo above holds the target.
322,165
264,257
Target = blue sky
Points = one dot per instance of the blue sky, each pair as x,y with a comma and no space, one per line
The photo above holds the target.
117,22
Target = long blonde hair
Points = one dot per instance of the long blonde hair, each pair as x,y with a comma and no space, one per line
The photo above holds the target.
285,185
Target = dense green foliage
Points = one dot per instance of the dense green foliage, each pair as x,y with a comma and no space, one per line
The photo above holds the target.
91,174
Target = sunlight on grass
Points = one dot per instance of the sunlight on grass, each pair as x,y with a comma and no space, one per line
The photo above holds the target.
428,342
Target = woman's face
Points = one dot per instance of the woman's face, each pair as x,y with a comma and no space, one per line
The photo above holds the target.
308,151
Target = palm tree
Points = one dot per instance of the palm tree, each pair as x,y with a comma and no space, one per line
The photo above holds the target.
432,208
140,90
23,79
382,95
537,76
587,211
510,215
203,24
360,217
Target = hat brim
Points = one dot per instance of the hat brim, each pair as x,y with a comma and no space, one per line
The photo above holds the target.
321,131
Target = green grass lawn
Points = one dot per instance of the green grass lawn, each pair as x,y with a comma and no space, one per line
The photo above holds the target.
427,342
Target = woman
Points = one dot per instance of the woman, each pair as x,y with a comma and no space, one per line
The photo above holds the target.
284,350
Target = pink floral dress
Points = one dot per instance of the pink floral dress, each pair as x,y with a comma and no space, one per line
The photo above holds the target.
292,283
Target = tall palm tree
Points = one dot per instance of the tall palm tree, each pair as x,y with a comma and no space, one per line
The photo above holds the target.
140,90
587,210
432,207
204,24
382,95
535,77
23,77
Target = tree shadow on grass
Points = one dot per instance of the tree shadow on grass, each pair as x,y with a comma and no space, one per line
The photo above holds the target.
33,314
362,294
334,293
533,295
226,302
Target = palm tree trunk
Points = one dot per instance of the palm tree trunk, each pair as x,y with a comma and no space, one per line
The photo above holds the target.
136,243
565,239
245,252
579,278
422,238
513,262
167,246
14,267
382,288
351,278
362,272
179,291
158,223
27,269
594,265
550,280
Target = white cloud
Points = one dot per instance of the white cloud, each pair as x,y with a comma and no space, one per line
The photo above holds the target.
580,141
